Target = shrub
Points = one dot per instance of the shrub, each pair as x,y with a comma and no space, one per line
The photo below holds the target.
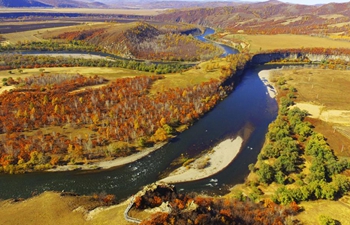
326,220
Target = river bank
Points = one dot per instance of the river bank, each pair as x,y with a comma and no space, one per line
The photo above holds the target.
265,77
111,163
209,164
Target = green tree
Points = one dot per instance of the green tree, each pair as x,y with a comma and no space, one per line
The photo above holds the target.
265,173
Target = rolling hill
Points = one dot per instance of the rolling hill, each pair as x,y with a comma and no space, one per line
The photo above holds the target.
144,41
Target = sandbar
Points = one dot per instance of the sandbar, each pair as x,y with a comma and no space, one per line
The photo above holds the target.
265,77
217,160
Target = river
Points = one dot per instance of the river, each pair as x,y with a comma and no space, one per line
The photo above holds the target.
249,104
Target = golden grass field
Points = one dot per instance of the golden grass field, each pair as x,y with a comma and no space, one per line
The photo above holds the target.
284,41
191,77
51,208
338,210
321,86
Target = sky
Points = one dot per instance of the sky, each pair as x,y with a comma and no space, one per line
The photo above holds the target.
305,2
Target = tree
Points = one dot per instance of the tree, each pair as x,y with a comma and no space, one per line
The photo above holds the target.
265,173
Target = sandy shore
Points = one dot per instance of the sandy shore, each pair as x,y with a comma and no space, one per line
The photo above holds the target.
111,163
73,55
328,115
218,159
265,78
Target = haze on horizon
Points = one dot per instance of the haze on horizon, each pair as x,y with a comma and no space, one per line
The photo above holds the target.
303,2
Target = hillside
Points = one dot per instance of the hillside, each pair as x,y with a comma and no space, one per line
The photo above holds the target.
272,17
144,41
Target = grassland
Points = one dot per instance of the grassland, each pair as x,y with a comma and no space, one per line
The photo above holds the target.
321,86
338,210
324,89
258,43
52,208
191,77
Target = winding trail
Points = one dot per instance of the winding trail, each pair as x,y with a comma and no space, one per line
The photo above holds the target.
126,212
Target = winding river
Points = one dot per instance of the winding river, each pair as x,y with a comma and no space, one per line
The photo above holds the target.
248,105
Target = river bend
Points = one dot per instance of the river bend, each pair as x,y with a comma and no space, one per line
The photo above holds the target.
248,105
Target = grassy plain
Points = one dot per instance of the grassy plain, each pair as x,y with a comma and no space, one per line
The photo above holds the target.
191,77
338,210
52,208
284,41
326,87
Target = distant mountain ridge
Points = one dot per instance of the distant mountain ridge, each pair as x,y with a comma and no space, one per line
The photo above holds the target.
132,4
51,3
22,3
169,4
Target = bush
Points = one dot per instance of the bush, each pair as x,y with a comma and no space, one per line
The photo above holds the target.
326,220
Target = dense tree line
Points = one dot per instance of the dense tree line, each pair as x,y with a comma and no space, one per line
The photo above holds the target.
49,45
291,142
18,61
